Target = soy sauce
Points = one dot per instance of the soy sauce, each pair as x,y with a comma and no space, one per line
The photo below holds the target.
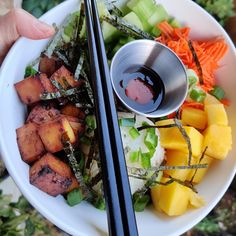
142,88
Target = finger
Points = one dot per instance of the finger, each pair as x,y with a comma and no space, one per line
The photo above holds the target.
20,23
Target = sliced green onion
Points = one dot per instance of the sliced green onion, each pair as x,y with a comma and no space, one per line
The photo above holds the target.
134,156
134,133
218,92
146,160
74,197
192,78
127,122
149,130
30,71
151,140
99,203
91,122
197,94
140,201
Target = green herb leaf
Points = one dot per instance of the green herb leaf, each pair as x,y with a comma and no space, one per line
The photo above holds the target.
74,197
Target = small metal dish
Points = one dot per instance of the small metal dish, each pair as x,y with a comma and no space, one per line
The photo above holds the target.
162,60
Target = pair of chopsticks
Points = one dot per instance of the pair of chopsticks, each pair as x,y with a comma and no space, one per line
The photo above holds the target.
121,217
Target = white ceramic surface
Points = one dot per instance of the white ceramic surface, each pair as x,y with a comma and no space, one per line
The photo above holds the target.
85,219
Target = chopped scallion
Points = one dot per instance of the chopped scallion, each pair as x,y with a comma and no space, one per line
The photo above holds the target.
140,201
134,133
218,92
134,156
90,122
127,122
151,140
100,203
30,71
146,160
197,94
74,197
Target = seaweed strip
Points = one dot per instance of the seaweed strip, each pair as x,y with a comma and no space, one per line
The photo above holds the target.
201,158
155,126
187,139
197,62
79,66
127,28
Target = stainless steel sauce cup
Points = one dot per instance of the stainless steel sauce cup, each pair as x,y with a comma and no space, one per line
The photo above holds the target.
160,59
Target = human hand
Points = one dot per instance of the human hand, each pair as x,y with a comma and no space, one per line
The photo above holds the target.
18,23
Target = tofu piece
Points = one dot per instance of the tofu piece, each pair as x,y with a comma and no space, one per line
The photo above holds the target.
78,128
49,65
51,175
47,84
29,90
30,145
52,133
71,110
74,185
65,78
42,114
218,140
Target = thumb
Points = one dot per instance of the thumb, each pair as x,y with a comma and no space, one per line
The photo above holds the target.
20,23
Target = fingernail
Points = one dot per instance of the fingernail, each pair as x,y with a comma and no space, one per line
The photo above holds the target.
44,28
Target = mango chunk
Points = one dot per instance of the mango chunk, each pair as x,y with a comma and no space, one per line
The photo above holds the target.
196,200
171,138
200,173
165,122
210,99
194,117
178,158
218,140
216,114
52,132
173,198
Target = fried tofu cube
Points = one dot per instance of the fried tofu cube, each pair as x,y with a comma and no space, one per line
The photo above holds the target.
71,110
49,65
30,145
52,134
47,84
42,114
51,175
29,90
218,140
65,78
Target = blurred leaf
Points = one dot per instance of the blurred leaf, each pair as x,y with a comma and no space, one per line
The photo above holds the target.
29,227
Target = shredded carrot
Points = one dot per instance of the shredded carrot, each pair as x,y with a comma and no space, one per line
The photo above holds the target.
209,53
225,102
196,105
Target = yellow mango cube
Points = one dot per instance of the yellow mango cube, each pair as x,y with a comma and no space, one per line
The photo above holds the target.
196,200
210,99
174,198
200,173
218,140
178,158
194,117
216,114
171,138
165,122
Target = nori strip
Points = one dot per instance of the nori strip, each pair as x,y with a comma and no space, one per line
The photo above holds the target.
197,62
127,28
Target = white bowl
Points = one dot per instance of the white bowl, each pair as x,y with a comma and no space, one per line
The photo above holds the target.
84,219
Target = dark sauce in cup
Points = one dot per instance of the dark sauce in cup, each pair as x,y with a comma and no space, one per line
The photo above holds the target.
142,88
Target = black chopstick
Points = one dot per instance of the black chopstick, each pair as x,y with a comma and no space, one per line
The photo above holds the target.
121,217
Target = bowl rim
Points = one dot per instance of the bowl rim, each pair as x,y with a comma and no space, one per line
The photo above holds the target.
52,217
